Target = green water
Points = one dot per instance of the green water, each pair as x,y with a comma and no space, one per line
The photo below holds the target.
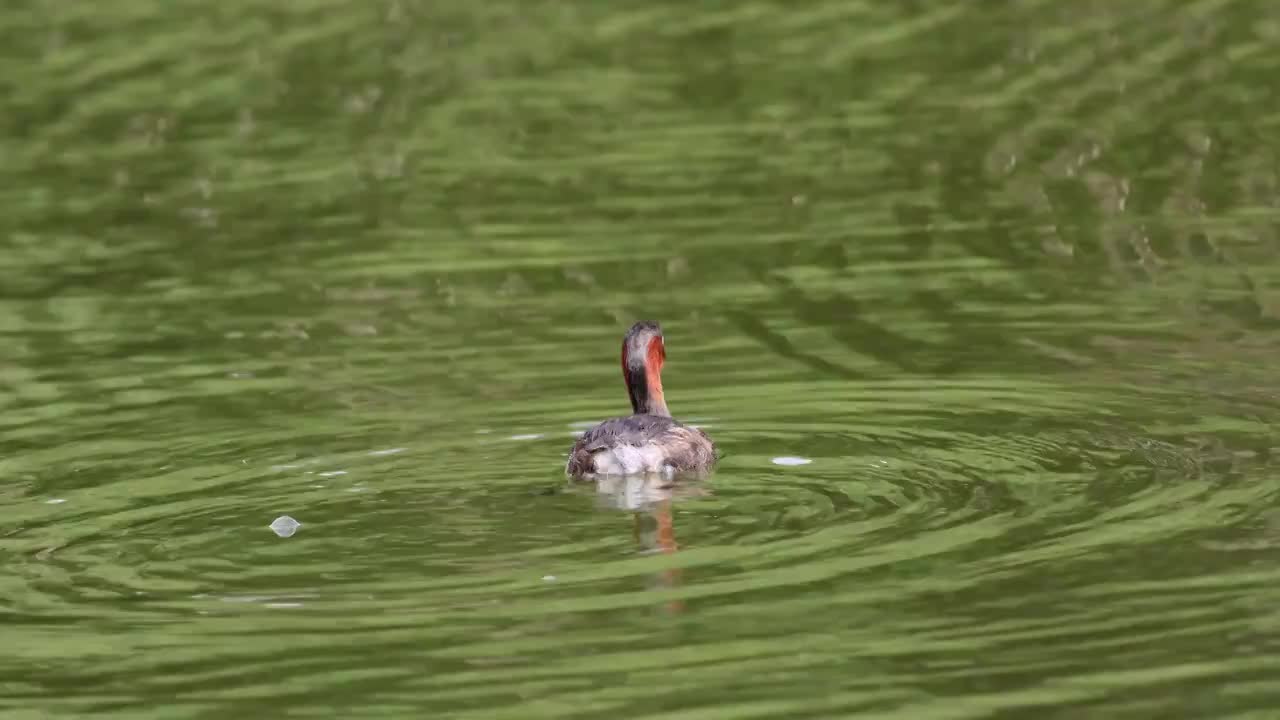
1007,275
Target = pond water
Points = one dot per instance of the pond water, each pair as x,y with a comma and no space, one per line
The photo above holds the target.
980,300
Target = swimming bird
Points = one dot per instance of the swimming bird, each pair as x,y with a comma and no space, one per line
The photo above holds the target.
649,440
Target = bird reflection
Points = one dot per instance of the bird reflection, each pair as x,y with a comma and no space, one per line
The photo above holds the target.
650,499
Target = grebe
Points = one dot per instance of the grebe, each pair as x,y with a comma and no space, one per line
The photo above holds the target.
648,441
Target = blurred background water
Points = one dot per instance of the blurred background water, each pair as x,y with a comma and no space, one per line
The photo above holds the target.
999,278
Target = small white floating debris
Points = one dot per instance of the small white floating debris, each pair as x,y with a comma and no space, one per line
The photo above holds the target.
55,501
388,451
283,605
549,578
530,436
285,526
284,467
333,473
788,460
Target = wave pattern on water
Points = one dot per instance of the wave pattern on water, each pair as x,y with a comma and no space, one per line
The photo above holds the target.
1001,278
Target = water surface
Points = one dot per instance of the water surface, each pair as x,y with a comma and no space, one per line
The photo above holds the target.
979,300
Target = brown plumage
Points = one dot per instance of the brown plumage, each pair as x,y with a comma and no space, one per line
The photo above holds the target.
650,440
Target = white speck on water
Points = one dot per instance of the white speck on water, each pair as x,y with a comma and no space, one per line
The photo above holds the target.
549,578
787,460
283,605
357,489
55,501
578,433
285,526
317,486
530,436
333,473
284,467
388,451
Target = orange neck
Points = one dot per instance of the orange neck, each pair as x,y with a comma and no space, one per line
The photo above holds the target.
644,381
